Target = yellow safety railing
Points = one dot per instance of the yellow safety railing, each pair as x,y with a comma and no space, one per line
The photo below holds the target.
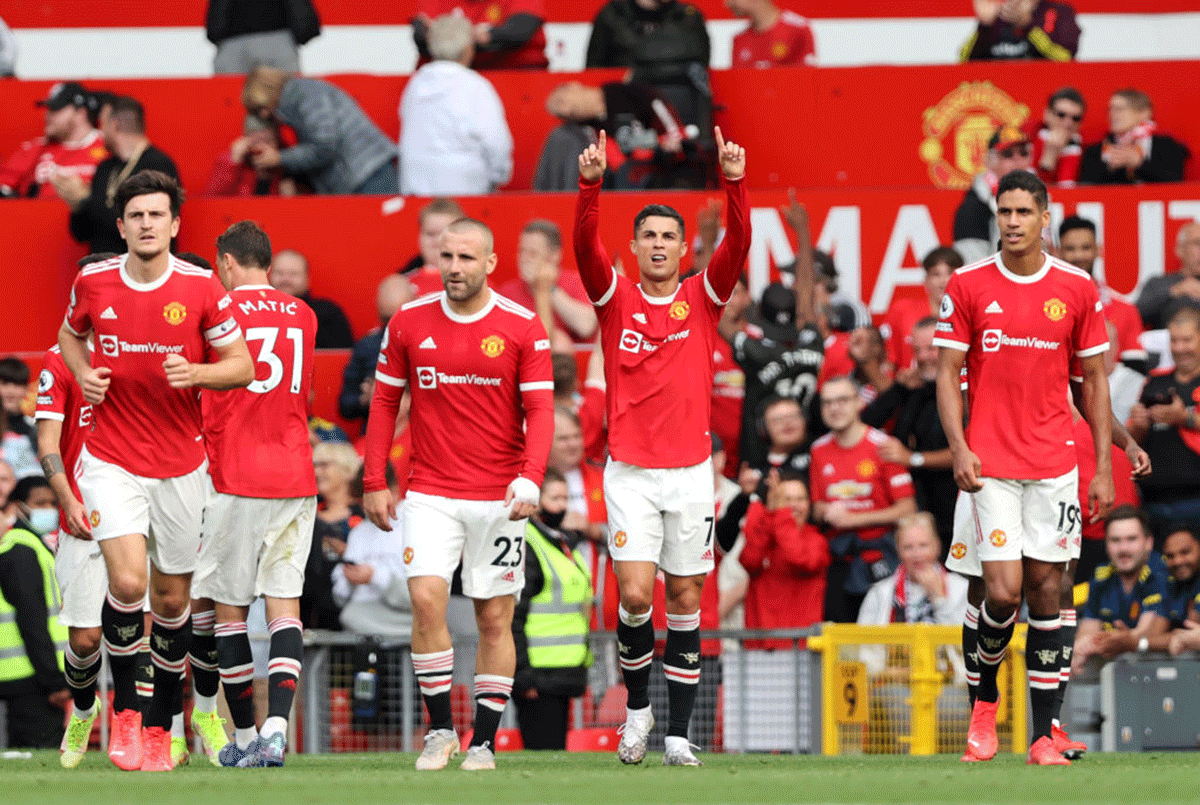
899,689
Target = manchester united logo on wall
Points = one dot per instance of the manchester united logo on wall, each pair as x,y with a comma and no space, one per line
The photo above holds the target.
957,129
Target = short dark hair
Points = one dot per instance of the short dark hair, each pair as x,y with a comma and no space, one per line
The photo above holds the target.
553,475
95,257
129,115
24,488
14,370
793,475
928,321
1188,313
565,372
1024,180
1127,512
1065,94
547,229
662,211
97,100
147,182
1074,222
196,260
1181,528
247,243
943,254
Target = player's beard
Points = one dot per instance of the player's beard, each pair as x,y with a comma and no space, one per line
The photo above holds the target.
469,290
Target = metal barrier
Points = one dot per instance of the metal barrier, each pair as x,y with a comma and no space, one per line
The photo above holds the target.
900,689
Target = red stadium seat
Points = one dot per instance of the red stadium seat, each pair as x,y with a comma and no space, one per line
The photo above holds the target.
508,739
592,739
611,710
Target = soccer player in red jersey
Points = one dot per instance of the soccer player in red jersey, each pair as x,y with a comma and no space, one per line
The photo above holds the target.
1016,319
258,522
482,419
658,338
63,419
143,479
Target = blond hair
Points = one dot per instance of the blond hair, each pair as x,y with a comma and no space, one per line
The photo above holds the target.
339,453
263,87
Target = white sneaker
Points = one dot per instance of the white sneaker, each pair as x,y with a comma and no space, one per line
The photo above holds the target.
634,733
479,758
679,753
440,746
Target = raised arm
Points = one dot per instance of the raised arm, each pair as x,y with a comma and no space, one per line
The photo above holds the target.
796,216
595,268
727,261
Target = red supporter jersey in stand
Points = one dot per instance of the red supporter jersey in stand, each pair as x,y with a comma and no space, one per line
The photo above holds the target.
1066,171
788,41
1020,334
257,437
1127,321
658,365
144,426
482,397
59,397
495,12
568,282
36,162
728,393
858,477
426,280
902,316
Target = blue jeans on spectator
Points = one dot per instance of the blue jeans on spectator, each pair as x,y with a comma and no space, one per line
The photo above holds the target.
383,182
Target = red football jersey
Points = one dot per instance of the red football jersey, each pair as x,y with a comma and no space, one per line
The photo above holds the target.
495,12
788,41
902,315
426,280
1127,321
36,162
1066,171
658,351
59,397
257,437
482,398
144,426
858,477
728,393
1020,334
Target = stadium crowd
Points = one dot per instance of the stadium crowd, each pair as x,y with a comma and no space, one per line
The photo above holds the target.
833,478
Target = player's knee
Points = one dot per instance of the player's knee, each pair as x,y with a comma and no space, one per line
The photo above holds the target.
85,642
1001,604
169,601
637,601
128,586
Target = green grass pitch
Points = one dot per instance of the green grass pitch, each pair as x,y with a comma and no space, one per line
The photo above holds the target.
599,779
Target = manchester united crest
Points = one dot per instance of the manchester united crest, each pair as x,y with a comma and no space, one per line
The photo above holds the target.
174,313
957,129
408,556
998,538
865,468
619,539
494,14
679,310
95,518
958,550
1055,309
778,49
492,346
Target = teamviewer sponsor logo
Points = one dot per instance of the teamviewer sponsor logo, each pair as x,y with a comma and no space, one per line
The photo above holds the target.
426,377
109,346
631,340
994,339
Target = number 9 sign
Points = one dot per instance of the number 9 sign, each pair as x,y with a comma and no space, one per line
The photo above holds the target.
851,706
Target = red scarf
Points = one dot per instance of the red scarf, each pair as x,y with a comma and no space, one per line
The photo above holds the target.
900,601
1140,135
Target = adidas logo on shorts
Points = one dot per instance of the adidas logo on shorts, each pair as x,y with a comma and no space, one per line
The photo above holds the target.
509,576
707,556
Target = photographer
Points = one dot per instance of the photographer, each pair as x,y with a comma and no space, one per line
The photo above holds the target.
1164,423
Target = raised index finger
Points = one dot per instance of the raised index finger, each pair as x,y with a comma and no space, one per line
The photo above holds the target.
601,142
720,139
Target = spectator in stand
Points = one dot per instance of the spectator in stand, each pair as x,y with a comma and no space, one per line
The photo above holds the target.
250,33
781,430
32,643
358,378
917,439
557,296
665,44
786,559
1077,245
289,273
506,34
422,270
1161,297
99,107
1125,492
8,51
1124,607
776,37
1057,146
93,217
338,148
649,142
369,582
858,497
234,174
1124,383
1133,151
975,232
69,146
550,623
8,481
17,430
454,138
1164,423
586,511
1181,555
1022,29
904,313
339,510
